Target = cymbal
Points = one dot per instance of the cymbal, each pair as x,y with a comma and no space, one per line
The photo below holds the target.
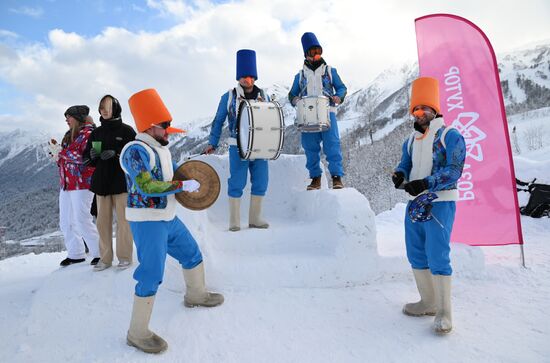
209,180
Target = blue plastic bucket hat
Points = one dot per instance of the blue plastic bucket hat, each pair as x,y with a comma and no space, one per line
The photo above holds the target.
309,40
246,64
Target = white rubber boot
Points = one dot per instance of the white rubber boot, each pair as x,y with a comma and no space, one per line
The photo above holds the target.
139,335
234,214
425,285
255,213
443,322
196,294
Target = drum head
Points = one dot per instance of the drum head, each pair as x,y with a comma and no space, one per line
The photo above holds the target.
207,177
243,129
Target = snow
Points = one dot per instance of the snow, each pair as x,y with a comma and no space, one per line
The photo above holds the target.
525,62
325,283
19,140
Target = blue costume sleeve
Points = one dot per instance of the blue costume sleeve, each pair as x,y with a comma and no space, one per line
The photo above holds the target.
455,153
338,85
405,165
217,124
295,89
135,160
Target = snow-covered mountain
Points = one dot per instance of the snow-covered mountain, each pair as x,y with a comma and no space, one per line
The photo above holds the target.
372,147
371,123
525,79
28,185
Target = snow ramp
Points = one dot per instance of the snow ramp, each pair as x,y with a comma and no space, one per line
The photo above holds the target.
324,238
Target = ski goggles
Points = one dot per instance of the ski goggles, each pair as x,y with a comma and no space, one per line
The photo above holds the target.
312,52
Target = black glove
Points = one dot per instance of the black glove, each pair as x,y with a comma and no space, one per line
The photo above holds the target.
398,178
107,154
93,154
416,187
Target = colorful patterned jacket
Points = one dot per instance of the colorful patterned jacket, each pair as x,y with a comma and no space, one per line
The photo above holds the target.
149,171
440,162
74,173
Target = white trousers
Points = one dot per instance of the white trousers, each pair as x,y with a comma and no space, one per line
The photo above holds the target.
77,224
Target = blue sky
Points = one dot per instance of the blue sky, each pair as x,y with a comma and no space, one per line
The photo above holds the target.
57,53
32,20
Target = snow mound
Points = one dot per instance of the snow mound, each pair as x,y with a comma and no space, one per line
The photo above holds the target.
316,238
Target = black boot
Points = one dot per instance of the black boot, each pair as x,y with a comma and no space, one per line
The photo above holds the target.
337,182
69,261
315,183
95,261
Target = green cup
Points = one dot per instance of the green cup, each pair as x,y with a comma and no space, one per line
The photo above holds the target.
96,145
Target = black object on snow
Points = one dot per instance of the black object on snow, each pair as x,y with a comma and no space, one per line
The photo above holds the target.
539,201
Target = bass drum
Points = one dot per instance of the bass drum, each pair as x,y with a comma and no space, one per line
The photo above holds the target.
260,130
209,180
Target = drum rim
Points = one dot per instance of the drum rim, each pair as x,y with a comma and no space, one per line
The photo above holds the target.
283,129
321,96
250,128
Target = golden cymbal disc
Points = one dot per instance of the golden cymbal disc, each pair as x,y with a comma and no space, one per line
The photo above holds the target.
207,177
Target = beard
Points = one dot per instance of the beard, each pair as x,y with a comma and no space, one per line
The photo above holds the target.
420,128
161,140
421,124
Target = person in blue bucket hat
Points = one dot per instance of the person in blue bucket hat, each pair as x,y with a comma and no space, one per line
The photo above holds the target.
319,79
431,163
247,75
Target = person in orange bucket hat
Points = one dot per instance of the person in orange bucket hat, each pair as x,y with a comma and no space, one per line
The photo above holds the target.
151,212
432,161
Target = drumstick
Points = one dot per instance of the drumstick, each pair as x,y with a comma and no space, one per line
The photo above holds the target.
194,156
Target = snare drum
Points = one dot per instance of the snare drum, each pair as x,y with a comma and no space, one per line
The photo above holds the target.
312,114
260,130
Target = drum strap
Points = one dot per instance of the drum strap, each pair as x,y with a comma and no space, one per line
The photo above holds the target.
234,106
232,96
303,85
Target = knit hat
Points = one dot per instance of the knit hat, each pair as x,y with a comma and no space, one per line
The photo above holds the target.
148,109
425,91
309,40
79,112
246,64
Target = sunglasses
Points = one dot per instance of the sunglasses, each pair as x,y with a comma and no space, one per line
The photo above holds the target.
163,125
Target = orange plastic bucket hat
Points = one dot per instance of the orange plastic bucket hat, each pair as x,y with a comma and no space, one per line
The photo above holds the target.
425,91
148,110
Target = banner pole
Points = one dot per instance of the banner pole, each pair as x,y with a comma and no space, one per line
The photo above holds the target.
522,256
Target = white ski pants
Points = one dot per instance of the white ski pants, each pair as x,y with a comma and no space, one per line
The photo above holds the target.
76,223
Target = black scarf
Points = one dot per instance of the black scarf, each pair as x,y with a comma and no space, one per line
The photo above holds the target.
315,64
253,94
